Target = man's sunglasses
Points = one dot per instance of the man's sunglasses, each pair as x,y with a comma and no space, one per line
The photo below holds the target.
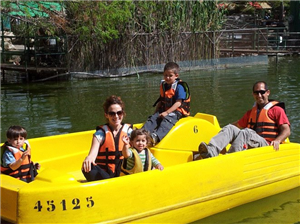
112,114
262,92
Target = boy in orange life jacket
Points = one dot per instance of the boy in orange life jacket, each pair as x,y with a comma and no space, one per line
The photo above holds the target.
15,155
173,103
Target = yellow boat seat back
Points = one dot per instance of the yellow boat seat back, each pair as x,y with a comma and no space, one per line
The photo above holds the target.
197,129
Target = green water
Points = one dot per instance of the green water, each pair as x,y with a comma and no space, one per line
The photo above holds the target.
63,107
282,208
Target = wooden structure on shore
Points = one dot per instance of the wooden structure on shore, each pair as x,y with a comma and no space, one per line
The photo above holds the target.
31,70
233,51
39,56
272,41
26,47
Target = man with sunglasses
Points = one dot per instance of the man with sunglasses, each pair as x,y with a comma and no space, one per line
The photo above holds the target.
265,124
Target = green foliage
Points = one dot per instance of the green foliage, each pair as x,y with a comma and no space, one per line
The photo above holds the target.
176,16
33,15
277,4
106,20
100,21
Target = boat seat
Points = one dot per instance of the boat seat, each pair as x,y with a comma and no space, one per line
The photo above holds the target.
53,175
190,127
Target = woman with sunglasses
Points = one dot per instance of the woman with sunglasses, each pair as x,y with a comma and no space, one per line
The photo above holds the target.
105,157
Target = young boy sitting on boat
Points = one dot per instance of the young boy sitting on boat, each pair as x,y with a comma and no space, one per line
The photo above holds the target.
173,103
137,157
16,155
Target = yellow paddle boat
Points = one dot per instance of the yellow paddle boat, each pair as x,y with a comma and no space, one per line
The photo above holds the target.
183,192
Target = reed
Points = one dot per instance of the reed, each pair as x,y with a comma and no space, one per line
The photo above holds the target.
141,33
113,34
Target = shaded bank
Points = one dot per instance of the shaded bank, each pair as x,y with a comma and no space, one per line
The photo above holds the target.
209,64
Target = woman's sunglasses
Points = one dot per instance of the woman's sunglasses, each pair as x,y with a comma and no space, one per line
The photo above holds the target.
112,114
262,92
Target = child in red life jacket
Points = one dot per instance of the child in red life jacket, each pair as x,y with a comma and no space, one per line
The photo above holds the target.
137,157
16,155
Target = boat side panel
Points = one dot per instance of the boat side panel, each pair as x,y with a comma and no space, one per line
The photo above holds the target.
196,210
9,197
164,192
265,163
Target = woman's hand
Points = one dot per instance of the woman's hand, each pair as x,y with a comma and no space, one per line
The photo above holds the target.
90,159
86,165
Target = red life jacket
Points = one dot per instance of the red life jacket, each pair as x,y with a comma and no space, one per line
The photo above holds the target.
110,151
262,123
26,171
167,97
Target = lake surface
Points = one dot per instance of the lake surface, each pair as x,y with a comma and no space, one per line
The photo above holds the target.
63,107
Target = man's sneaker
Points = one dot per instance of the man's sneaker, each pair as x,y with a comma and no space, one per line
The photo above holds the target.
155,138
197,156
203,150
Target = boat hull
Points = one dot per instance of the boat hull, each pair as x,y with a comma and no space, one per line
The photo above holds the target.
183,192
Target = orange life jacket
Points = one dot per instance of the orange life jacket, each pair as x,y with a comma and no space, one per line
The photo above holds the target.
110,155
167,97
26,171
261,122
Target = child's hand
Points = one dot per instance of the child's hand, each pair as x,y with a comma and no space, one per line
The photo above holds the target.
159,167
163,114
26,153
125,140
37,166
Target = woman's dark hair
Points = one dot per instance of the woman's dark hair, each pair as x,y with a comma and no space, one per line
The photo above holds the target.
15,131
113,100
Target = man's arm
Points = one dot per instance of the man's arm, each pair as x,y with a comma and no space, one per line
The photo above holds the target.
284,132
278,114
236,123
243,122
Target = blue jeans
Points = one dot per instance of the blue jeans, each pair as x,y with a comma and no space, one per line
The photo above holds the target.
161,126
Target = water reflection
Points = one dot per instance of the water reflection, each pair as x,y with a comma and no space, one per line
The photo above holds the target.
63,107
281,208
